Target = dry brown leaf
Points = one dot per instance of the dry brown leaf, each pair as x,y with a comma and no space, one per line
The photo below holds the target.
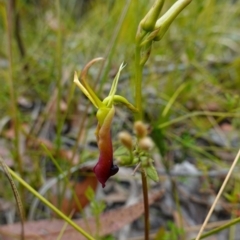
111,221
80,186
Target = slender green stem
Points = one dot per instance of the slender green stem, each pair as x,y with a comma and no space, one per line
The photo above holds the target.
52,207
138,83
139,116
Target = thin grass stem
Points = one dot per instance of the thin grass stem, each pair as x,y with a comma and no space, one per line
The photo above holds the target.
51,206
218,195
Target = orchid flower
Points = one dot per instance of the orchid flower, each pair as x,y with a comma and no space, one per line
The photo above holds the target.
104,168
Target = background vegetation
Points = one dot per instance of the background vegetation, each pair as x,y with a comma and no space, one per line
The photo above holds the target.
190,84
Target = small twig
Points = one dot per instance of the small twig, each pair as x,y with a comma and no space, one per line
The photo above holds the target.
136,168
218,195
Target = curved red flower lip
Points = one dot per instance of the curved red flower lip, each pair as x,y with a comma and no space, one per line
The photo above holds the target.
105,168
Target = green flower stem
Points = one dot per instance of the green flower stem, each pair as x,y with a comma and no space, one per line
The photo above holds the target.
139,116
52,207
138,83
155,30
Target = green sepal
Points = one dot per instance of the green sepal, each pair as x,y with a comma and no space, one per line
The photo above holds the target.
152,172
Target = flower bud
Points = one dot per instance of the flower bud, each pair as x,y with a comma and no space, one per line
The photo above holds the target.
152,173
126,140
148,22
140,129
165,21
146,144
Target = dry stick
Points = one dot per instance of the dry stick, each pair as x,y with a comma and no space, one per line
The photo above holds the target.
218,195
136,168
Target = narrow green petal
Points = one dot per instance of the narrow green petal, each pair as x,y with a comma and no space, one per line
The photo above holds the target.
85,83
85,91
115,82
